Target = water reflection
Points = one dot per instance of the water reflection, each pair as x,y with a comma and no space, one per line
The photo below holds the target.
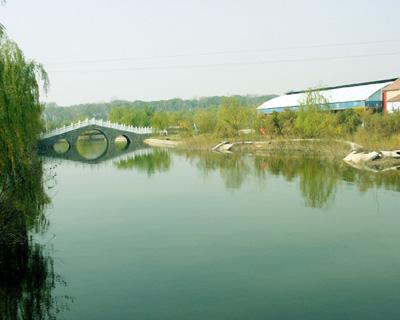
27,275
233,168
149,236
317,178
157,160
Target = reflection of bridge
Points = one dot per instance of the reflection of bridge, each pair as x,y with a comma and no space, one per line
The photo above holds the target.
130,152
111,131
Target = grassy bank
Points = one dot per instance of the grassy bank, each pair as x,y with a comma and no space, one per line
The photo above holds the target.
254,144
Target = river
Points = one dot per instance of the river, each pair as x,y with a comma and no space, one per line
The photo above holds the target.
163,234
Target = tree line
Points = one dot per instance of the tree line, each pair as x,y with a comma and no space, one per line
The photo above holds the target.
56,115
314,119
225,119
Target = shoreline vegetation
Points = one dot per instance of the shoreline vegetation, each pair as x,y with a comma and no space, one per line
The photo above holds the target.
359,136
327,149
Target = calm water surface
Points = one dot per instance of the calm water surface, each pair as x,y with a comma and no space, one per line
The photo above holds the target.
162,235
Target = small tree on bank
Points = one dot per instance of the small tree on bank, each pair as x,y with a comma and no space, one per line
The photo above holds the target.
314,119
232,117
160,120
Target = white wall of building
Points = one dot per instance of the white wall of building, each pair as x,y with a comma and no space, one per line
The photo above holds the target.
392,107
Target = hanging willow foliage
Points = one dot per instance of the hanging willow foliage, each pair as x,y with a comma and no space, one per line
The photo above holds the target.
27,277
20,108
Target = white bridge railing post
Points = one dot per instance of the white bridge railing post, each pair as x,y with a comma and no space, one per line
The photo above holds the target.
101,123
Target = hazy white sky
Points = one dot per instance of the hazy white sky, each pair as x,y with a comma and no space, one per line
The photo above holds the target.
96,50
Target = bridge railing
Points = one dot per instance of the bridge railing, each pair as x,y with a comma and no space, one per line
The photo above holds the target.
100,123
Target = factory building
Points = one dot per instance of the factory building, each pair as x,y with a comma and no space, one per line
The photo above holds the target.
367,95
391,97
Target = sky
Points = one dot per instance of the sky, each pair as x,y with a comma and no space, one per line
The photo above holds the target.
100,50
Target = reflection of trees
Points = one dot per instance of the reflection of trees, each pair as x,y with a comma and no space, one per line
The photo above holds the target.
27,281
27,277
233,168
317,183
235,172
366,180
156,161
318,178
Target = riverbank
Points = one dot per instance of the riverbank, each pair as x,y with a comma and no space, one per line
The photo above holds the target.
328,149
251,144
163,143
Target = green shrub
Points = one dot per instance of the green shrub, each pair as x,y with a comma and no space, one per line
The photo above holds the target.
232,117
205,120
287,121
349,120
383,125
317,124
160,120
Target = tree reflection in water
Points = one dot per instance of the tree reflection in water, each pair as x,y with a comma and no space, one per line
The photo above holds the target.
156,161
27,276
318,178
234,168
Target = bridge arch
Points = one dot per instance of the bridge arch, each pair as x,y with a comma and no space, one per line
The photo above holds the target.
61,146
122,142
91,143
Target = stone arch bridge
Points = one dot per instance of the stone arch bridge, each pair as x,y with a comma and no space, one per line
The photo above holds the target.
71,133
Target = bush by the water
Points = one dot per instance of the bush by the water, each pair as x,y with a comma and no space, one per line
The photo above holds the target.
315,120
310,123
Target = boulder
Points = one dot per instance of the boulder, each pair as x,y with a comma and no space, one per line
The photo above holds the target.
362,157
391,154
216,148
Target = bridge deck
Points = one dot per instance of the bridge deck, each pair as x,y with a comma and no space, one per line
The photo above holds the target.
99,123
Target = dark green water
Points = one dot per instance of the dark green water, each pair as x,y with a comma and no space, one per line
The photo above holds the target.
164,235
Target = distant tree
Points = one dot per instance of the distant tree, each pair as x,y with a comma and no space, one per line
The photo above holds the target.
59,116
231,117
160,120
205,120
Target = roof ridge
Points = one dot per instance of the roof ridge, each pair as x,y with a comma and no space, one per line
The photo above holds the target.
393,86
343,86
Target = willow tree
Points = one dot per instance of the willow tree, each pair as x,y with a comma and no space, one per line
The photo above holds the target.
27,278
20,108
21,189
